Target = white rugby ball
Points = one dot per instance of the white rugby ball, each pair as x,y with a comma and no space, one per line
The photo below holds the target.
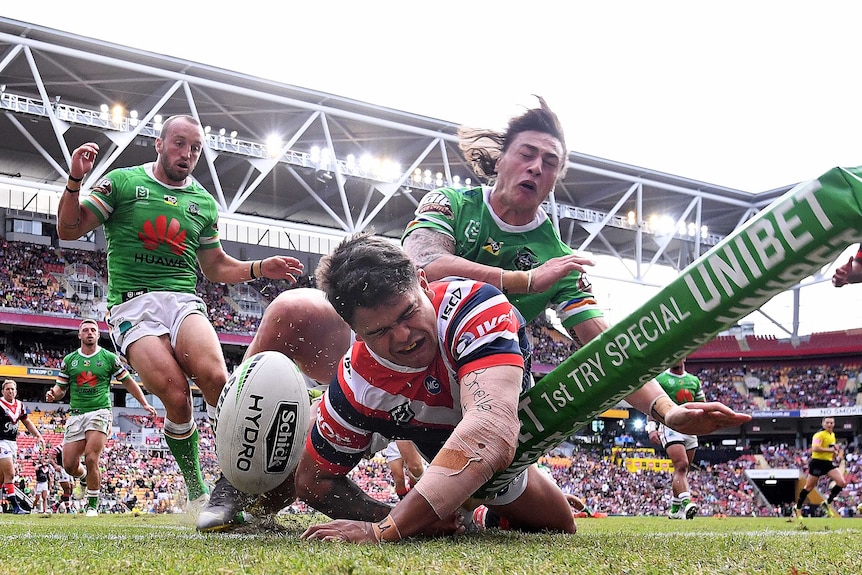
261,422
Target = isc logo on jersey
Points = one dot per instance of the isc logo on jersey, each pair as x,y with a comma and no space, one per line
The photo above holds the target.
261,422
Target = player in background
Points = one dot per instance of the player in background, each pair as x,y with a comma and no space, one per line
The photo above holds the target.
161,227
11,413
44,484
826,455
87,373
682,387
61,476
404,462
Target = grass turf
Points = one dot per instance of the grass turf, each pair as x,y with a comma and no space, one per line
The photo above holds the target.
139,545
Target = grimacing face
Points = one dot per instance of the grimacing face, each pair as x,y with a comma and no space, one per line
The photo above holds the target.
402,330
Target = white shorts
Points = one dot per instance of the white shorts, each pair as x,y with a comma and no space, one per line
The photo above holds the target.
8,449
391,453
154,313
62,476
78,425
671,437
41,486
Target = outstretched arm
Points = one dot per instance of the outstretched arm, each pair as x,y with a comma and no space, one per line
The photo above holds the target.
335,495
693,418
435,253
481,444
219,267
73,220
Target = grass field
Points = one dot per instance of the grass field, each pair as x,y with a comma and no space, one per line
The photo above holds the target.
128,545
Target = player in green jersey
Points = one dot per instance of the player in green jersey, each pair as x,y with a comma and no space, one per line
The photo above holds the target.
87,373
682,387
502,236
160,224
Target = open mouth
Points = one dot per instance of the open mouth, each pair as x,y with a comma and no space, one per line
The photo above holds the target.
528,185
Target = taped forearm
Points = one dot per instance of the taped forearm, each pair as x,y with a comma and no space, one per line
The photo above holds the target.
482,444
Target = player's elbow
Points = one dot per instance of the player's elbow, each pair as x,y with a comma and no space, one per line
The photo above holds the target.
67,234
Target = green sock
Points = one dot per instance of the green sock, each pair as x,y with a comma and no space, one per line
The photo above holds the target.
93,502
185,451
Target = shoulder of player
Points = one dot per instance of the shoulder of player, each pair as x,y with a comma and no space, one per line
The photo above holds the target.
448,202
459,291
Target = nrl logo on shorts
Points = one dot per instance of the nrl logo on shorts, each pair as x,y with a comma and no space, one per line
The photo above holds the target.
402,415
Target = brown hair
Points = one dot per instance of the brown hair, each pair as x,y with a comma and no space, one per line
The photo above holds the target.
483,147
364,271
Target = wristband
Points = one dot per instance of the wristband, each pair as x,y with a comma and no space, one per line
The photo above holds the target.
514,281
74,179
659,407
386,530
251,270
71,191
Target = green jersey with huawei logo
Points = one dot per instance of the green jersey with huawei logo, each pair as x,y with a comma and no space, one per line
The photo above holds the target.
480,236
153,231
681,388
88,378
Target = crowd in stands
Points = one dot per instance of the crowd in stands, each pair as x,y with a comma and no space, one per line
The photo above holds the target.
29,283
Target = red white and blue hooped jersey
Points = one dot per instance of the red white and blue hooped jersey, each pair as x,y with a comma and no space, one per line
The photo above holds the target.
477,328
10,415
